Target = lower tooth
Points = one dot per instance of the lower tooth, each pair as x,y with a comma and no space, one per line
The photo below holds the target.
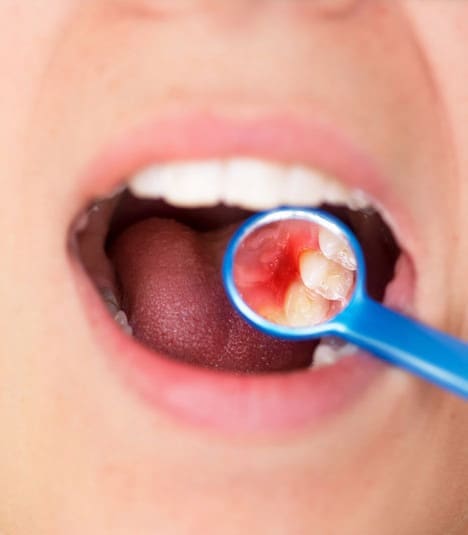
304,308
115,311
122,320
110,300
327,355
324,276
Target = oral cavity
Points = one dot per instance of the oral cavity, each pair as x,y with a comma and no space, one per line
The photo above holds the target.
156,260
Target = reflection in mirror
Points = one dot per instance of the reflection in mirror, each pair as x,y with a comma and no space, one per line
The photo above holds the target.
295,272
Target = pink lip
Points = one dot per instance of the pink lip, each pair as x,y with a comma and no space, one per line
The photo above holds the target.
226,402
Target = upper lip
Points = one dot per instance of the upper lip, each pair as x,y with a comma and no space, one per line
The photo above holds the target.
311,142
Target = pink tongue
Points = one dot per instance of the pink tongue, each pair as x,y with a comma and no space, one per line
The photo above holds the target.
173,295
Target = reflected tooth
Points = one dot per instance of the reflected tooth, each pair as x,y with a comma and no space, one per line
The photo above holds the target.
337,249
304,308
325,277
122,320
274,315
182,184
253,184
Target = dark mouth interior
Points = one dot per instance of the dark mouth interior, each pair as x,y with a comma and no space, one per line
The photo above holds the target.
164,264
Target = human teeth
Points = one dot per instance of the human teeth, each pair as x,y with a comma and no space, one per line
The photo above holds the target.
110,300
326,355
113,307
274,315
325,277
304,308
245,182
83,220
122,320
181,184
337,249
264,182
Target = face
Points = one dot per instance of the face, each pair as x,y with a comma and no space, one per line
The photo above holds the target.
182,419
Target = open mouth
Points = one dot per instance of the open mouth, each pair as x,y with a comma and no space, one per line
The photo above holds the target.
153,252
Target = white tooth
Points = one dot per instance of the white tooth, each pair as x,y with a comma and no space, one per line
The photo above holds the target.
253,184
325,277
308,187
326,355
110,300
304,308
333,341
122,320
181,184
337,249
304,187
151,182
358,200
347,350
246,182
335,193
314,268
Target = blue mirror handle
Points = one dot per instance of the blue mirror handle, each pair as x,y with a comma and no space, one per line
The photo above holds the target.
433,355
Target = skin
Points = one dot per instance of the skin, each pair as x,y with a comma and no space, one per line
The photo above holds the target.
79,454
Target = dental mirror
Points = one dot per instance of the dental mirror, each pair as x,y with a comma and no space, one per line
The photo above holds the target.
300,274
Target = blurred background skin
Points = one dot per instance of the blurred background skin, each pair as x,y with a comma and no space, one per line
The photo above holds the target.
78,454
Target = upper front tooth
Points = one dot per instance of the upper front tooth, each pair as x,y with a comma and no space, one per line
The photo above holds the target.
337,249
255,184
246,182
307,187
182,184
325,277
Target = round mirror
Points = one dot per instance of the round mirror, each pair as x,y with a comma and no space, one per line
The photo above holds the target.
296,272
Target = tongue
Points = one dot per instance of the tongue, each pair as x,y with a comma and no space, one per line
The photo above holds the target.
173,295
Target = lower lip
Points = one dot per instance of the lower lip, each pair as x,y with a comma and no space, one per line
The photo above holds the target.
222,401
